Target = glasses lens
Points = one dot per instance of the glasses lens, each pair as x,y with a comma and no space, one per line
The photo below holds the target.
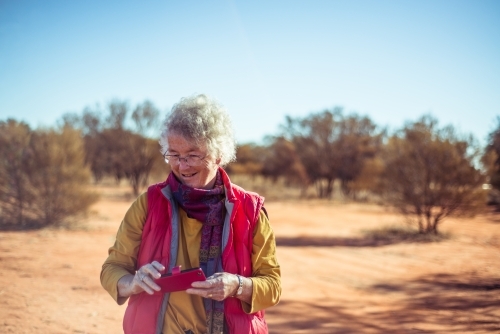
171,159
191,160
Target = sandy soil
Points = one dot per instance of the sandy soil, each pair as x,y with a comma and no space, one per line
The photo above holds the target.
335,278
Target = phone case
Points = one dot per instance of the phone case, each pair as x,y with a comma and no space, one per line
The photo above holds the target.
179,280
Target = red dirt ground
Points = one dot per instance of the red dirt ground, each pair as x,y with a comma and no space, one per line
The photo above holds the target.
335,279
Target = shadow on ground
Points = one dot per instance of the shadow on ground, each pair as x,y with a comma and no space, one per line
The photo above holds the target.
372,238
438,304
314,241
27,226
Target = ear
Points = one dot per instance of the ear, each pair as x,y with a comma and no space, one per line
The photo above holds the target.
217,161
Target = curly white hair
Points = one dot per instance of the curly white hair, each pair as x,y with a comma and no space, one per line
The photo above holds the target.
205,121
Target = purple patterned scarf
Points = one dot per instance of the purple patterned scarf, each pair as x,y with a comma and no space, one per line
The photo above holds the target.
206,206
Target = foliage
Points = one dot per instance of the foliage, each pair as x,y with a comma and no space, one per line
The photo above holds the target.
282,160
145,117
248,160
44,175
15,190
58,176
430,174
368,181
491,157
113,149
424,171
333,146
142,154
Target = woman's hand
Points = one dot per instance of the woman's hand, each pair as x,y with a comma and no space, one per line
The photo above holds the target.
219,286
143,280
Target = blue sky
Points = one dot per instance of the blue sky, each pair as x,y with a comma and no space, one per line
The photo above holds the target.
391,60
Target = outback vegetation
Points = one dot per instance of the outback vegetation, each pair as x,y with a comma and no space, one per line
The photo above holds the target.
429,174
491,163
43,175
425,171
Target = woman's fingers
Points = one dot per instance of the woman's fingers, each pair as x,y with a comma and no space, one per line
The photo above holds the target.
158,266
147,288
152,269
218,286
206,293
150,283
145,276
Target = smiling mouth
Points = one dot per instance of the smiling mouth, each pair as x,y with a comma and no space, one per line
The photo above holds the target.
188,175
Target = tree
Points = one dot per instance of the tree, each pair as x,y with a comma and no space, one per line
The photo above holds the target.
91,126
358,141
43,175
282,160
117,114
15,191
58,176
145,117
129,153
332,147
112,148
142,155
312,139
491,157
368,181
248,160
430,174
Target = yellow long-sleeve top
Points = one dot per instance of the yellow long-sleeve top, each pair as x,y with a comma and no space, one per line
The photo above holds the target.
185,311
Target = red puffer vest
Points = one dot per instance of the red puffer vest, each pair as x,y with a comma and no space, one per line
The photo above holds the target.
145,313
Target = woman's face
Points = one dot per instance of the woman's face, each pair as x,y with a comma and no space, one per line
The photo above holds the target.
202,174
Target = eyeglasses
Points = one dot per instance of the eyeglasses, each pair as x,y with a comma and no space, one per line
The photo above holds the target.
190,159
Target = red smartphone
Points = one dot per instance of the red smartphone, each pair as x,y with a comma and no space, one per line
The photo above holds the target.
179,280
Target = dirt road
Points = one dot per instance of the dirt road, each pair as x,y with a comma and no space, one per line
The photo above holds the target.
335,278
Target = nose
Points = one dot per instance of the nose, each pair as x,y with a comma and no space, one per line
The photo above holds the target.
183,163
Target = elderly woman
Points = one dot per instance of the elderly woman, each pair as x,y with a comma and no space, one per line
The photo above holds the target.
196,218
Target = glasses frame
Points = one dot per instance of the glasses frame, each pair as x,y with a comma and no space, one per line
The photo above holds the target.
176,159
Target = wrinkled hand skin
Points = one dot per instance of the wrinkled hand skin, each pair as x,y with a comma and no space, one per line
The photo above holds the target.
132,284
221,286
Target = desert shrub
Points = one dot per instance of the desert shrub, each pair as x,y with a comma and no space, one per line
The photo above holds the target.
367,184
248,160
332,146
430,174
44,176
491,164
15,192
281,160
113,149
143,154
